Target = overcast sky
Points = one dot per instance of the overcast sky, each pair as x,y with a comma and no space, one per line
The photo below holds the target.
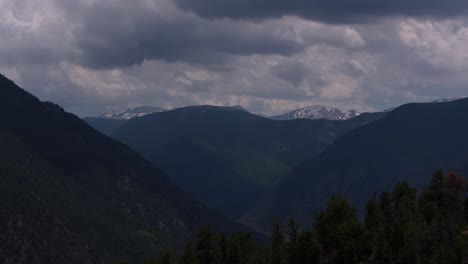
270,56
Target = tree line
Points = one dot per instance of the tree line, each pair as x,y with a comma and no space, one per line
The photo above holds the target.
401,227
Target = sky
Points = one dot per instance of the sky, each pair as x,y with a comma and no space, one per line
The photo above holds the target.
270,56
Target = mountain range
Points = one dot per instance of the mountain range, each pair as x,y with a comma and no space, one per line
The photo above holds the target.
225,156
71,194
313,112
216,153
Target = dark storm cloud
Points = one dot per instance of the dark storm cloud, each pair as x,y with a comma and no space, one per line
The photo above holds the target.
350,69
293,72
96,55
27,39
333,11
123,33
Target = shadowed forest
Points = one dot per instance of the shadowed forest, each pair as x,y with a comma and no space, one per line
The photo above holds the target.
401,226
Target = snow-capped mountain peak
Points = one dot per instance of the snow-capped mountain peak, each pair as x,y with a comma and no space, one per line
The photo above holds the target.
318,112
133,112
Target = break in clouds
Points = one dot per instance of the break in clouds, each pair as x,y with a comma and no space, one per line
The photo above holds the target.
92,56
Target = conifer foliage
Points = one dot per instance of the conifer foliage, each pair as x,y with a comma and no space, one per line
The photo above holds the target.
401,226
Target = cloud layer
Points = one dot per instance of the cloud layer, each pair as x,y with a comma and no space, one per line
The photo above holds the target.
332,11
97,55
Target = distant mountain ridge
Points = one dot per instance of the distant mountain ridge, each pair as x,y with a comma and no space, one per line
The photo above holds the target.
441,100
313,112
316,112
239,107
133,112
448,100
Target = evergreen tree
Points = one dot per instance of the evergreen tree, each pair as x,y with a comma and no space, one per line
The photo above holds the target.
277,245
167,257
410,252
291,245
308,249
405,237
222,248
262,256
382,253
441,206
440,256
431,200
373,215
466,211
240,249
190,256
206,250
339,230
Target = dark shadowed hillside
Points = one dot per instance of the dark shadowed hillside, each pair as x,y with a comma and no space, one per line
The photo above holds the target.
105,125
228,157
407,145
71,194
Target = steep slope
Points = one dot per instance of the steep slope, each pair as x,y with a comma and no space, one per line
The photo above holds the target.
104,125
71,193
406,145
227,157
315,112
30,230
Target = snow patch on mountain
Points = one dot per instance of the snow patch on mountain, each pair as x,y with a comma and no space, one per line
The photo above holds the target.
437,101
448,100
131,113
318,112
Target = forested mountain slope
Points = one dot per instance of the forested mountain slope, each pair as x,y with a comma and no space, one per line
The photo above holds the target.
71,194
406,145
